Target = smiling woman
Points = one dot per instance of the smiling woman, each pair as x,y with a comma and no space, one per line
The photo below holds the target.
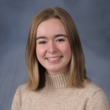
57,74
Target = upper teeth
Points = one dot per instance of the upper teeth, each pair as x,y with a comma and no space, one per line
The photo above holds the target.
53,58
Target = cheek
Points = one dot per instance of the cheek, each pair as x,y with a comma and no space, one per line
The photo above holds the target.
66,50
40,52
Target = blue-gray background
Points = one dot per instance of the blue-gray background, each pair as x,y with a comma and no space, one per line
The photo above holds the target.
92,19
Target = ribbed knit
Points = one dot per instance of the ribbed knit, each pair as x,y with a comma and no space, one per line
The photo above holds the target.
59,81
55,96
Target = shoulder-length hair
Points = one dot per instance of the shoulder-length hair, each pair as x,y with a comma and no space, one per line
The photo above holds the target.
77,64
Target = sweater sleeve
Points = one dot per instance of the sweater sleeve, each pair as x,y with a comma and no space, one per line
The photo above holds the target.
98,101
16,104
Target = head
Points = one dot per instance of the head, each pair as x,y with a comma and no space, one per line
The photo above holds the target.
76,65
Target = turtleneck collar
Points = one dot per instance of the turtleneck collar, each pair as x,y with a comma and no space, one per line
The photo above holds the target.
58,81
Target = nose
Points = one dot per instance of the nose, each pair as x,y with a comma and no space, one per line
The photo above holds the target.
52,47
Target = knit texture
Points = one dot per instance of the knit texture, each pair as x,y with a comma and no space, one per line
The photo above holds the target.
56,96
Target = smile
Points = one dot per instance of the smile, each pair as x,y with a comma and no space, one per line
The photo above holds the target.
54,60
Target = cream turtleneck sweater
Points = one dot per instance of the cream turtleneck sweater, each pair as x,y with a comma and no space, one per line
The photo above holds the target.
55,96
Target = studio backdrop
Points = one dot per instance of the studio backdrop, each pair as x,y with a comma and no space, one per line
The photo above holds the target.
92,19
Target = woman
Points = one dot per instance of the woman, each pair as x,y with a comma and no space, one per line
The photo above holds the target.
57,74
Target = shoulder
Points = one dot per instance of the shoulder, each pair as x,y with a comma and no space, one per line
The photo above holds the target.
89,90
19,94
96,97
21,91
22,88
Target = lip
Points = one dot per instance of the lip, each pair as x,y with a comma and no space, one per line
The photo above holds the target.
53,57
54,61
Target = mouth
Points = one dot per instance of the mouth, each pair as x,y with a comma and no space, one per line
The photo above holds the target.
53,59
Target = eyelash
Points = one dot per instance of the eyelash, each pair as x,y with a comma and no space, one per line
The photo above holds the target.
60,40
42,42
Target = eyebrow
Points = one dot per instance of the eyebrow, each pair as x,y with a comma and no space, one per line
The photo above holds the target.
43,37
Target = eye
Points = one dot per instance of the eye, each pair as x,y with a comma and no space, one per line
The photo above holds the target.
42,42
60,40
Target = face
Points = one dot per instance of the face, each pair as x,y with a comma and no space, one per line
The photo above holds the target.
52,46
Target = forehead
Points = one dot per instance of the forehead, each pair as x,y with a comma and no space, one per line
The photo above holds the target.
51,26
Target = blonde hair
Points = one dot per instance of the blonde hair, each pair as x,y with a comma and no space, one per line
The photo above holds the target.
77,63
